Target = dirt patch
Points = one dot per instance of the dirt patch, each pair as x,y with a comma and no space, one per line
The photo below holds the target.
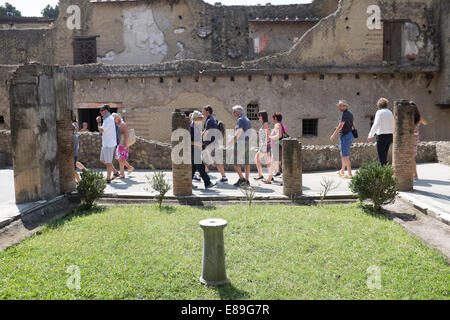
431,232
29,224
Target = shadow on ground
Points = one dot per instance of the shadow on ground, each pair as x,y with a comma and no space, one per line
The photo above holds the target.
79,212
230,292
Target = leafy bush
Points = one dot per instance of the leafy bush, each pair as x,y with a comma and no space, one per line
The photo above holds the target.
91,187
375,182
159,184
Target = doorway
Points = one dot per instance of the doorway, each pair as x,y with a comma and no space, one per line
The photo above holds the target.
89,116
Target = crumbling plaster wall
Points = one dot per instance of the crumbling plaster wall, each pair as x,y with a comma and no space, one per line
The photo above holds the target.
444,75
143,40
149,102
270,38
344,40
158,31
64,36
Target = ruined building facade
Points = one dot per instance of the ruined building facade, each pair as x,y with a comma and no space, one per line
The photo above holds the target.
146,58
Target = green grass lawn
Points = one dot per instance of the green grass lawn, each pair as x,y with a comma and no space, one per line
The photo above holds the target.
272,252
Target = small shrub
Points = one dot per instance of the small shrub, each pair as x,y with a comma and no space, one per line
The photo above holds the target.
328,185
159,184
249,193
375,182
91,187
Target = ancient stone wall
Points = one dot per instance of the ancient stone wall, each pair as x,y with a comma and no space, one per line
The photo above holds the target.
5,75
25,23
156,31
149,101
317,158
21,46
443,152
344,39
270,37
142,154
443,97
5,149
314,158
41,133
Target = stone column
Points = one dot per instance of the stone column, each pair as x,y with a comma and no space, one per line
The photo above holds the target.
292,167
403,148
181,173
41,132
33,134
213,264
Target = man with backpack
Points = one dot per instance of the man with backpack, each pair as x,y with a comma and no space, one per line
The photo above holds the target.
209,139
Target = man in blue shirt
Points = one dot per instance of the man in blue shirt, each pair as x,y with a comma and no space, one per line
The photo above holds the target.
242,126
209,139
345,129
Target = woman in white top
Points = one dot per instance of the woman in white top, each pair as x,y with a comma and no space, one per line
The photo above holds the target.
383,127
264,144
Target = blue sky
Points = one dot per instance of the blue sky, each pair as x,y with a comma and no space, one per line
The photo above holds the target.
34,7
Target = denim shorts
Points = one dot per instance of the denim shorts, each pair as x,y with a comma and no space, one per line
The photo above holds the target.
345,143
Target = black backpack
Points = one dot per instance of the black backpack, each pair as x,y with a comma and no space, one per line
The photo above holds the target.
221,127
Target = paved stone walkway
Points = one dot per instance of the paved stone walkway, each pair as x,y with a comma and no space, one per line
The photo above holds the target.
134,186
431,193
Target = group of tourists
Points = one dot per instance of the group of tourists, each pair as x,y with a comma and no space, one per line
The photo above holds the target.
115,142
383,128
203,143
115,136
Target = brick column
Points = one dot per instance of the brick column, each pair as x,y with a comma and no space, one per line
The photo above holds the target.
181,173
64,106
403,149
292,167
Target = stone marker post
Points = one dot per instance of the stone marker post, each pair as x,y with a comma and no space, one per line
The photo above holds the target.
292,167
181,173
213,264
403,149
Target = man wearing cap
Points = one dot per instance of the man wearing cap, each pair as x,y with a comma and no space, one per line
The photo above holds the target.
109,140
241,138
345,129
196,149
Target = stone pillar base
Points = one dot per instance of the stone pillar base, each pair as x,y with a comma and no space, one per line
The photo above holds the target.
213,264
292,168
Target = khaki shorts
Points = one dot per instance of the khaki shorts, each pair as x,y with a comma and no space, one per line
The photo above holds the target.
107,155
